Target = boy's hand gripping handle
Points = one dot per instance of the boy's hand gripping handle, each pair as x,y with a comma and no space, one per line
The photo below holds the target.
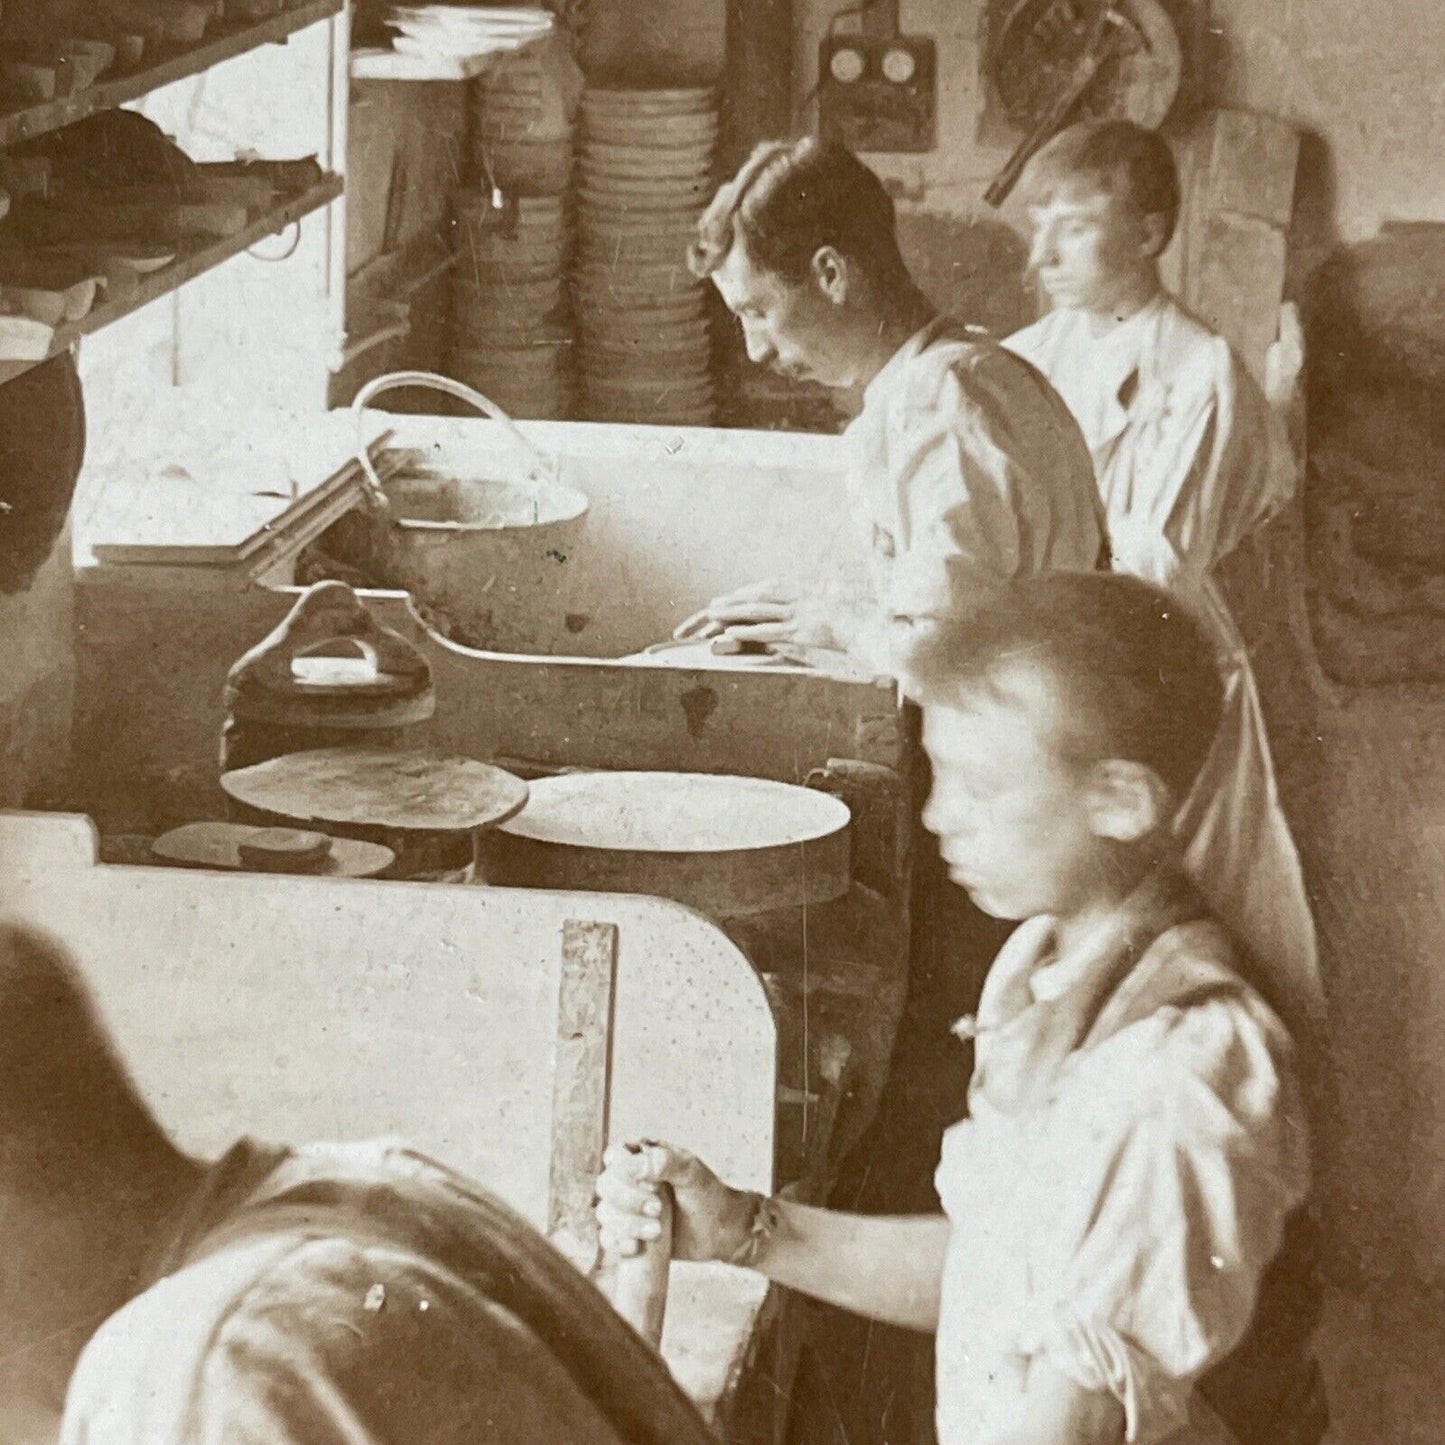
637,1283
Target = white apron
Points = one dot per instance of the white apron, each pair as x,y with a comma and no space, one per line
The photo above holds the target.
1188,464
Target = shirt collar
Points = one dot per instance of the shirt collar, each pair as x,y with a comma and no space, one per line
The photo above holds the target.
1100,959
911,349
1030,970
220,1191
1039,1006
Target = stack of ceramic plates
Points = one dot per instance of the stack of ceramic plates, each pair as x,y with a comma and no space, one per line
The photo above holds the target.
521,128
466,30
645,174
509,336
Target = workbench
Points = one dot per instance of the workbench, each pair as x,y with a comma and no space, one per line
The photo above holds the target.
297,1009
676,515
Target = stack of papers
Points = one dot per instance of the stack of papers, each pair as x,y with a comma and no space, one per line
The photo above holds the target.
227,496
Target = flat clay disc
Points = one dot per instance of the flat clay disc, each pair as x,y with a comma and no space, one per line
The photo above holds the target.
378,788
675,813
218,845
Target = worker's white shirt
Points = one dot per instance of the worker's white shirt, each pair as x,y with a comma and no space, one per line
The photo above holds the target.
965,466
1189,463
1178,430
1134,1145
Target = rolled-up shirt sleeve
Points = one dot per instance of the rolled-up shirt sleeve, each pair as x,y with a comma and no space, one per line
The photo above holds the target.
1194,1183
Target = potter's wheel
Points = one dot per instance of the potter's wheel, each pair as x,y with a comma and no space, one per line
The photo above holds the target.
725,845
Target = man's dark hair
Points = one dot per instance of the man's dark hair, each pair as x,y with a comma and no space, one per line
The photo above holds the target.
1116,158
790,199
1136,676
67,1102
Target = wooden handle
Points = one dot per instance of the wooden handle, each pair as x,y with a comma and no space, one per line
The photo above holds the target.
637,1284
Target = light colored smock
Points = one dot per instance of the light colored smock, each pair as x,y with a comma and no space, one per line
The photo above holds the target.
1134,1146
966,468
360,1294
1188,465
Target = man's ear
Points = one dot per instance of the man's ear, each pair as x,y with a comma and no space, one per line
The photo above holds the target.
830,271
1126,801
1153,236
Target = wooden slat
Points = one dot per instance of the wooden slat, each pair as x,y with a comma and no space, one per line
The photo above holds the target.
1240,283
37,120
581,1082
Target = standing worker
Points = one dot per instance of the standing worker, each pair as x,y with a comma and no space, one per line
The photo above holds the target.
1187,468
1112,1258
966,468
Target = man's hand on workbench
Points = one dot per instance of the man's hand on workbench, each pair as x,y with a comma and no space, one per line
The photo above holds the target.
764,612
710,1219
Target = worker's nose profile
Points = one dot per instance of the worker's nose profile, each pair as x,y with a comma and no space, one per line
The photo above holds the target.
1043,247
761,348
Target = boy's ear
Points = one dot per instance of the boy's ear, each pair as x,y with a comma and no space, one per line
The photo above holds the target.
1127,801
1153,236
830,271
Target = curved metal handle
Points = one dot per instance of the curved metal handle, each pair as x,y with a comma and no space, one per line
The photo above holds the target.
544,467
637,1284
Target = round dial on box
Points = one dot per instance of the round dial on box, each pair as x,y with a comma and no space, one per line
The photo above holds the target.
899,66
846,66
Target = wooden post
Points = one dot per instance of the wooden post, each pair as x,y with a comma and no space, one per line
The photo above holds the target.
581,1085
581,1103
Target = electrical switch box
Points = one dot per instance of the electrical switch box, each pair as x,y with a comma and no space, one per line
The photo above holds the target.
878,93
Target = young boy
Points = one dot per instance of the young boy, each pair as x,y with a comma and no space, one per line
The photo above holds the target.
1188,465
1135,1140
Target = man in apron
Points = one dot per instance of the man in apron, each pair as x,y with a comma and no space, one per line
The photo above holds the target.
966,467
1187,467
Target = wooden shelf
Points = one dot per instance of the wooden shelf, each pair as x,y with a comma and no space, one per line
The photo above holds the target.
18,125
186,267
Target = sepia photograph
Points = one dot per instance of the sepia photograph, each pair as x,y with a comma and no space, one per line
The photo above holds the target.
722,722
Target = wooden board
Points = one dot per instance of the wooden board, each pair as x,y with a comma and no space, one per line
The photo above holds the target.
47,841
675,813
16,125
194,261
156,656
230,501
724,845
314,1008
1228,262
218,845
1251,165
1240,283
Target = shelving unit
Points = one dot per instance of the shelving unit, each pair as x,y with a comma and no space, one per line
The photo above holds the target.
20,125
186,267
